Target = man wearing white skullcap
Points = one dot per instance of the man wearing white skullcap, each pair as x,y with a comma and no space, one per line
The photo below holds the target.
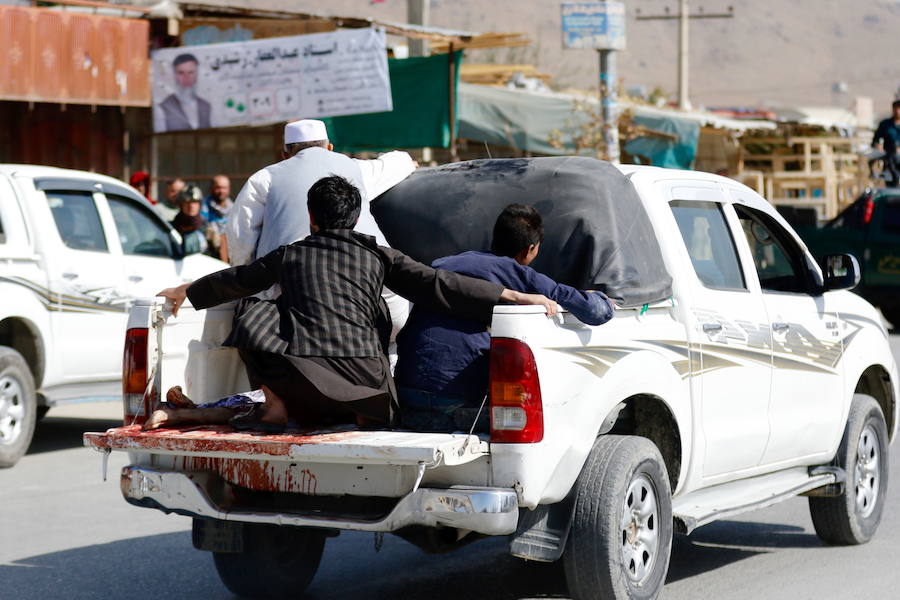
270,211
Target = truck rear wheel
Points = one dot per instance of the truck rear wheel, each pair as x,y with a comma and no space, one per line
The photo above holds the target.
277,562
621,536
17,407
853,517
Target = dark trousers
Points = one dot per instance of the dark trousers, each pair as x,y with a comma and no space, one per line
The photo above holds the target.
320,389
327,390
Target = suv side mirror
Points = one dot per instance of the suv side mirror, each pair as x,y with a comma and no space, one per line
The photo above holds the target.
841,271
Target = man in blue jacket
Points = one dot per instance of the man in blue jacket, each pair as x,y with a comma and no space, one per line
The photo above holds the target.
887,138
442,368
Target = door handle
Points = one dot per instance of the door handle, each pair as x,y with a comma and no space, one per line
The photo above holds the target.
70,276
135,278
779,327
712,328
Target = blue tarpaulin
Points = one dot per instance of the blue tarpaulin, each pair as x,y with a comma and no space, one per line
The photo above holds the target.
679,154
531,121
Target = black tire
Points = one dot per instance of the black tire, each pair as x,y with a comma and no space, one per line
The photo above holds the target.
595,560
277,562
18,402
853,517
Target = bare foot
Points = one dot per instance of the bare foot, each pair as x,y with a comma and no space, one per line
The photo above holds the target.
159,418
176,398
274,410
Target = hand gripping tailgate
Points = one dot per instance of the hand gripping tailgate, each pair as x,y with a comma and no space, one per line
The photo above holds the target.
334,446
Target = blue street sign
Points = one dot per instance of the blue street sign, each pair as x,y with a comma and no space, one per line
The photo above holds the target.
594,25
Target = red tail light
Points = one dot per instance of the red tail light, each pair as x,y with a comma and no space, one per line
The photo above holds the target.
869,209
517,412
134,376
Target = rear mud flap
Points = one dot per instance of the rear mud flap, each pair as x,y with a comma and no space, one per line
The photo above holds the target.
542,532
218,536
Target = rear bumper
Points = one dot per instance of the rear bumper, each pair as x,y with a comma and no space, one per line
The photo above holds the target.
490,511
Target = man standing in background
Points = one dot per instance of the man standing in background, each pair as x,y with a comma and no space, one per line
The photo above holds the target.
189,221
887,138
216,207
168,204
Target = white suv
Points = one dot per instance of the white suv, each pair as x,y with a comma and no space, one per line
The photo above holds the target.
75,249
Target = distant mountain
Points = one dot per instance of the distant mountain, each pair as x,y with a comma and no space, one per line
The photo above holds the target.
773,52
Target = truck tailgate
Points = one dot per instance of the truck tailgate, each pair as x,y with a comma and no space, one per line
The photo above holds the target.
334,446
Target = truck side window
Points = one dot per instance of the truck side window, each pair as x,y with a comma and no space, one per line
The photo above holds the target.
77,220
139,232
777,259
890,222
709,243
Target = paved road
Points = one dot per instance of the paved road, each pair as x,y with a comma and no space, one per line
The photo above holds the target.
66,534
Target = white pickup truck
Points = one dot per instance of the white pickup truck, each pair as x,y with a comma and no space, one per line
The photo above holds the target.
761,378
75,249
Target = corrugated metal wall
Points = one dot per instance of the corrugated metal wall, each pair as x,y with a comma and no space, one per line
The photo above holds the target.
54,56
76,137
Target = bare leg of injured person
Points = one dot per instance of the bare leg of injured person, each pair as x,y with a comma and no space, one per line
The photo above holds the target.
174,417
181,410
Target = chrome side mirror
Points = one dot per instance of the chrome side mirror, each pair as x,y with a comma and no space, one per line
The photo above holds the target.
841,271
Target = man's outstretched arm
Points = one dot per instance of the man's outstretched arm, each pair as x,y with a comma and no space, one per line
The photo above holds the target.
386,171
228,284
592,308
450,292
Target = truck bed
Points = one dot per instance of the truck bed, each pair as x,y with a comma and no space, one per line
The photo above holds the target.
339,478
345,444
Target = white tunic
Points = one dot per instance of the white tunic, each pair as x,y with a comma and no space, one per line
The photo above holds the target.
270,211
284,185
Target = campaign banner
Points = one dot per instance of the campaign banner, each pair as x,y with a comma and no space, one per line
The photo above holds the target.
270,80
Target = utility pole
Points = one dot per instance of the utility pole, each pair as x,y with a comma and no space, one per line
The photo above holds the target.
684,101
609,104
417,14
684,16
601,26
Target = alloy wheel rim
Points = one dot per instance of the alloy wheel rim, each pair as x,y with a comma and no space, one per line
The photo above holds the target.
639,530
12,410
868,463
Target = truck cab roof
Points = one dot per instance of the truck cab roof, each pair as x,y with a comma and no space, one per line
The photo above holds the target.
39,173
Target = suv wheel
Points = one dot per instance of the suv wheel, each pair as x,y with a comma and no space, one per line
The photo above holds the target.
853,517
621,536
17,407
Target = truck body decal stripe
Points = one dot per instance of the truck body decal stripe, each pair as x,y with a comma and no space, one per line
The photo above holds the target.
89,301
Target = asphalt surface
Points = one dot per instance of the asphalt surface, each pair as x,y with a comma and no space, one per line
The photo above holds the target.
64,533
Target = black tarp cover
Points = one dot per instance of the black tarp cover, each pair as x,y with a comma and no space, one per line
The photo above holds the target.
596,232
